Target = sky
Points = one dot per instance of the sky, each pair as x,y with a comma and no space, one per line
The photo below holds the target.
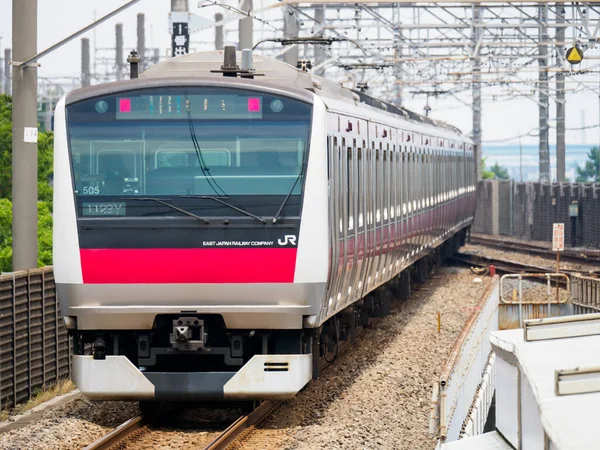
501,119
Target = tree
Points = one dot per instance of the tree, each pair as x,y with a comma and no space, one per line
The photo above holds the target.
44,235
45,168
5,146
486,174
496,171
500,172
45,155
5,235
590,172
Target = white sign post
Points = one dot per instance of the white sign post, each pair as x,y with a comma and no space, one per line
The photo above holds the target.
558,241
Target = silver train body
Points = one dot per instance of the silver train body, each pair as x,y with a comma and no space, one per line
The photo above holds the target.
218,304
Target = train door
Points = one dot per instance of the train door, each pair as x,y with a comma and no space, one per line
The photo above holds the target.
395,199
368,208
386,219
404,203
438,181
336,227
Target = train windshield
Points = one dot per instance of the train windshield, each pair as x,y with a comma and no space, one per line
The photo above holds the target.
169,143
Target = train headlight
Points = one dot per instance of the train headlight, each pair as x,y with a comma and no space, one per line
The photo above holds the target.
70,322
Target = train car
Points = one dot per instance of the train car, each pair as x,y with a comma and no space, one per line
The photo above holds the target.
218,230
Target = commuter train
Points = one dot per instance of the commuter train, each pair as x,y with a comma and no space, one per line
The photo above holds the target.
218,230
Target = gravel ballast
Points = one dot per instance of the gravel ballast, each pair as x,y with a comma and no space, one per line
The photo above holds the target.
534,260
70,426
376,395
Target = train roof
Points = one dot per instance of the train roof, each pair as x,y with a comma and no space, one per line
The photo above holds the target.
272,74
279,73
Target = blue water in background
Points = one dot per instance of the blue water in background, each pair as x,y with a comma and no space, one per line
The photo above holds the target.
508,156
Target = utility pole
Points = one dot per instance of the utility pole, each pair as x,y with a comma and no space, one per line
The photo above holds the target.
218,32
560,95
24,136
476,89
141,41
246,27
291,27
7,71
85,62
544,151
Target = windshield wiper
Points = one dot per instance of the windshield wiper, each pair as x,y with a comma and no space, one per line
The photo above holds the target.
205,170
287,197
157,200
219,200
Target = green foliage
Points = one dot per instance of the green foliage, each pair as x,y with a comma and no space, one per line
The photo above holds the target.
5,146
500,172
45,165
495,172
590,172
45,168
485,174
44,234
5,235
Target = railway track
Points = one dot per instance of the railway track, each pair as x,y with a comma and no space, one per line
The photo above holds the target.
587,256
510,266
236,432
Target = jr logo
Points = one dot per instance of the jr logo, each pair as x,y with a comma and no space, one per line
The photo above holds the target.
287,239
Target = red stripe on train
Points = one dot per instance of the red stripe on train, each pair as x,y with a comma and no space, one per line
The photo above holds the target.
188,265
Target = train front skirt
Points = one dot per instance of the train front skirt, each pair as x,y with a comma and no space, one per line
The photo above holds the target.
263,377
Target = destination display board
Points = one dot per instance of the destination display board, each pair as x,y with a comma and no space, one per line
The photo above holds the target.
197,107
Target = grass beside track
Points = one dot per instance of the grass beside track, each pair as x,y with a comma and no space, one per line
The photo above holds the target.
39,397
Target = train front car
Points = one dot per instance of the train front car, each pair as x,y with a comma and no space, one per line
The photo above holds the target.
190,236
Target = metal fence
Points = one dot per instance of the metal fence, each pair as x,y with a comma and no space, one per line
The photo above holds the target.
35,350
532,296
461,400
528,210
585,292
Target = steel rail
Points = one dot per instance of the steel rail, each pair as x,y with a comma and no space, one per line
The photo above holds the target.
266,408
118,434
510,266
585,256
235,430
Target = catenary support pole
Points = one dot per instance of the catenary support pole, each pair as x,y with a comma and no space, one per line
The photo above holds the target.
119,50
398,69
85,62
7,71
218,32
246,27
319,50
544,151
141,41
476,89
24,136
290,30
560,96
